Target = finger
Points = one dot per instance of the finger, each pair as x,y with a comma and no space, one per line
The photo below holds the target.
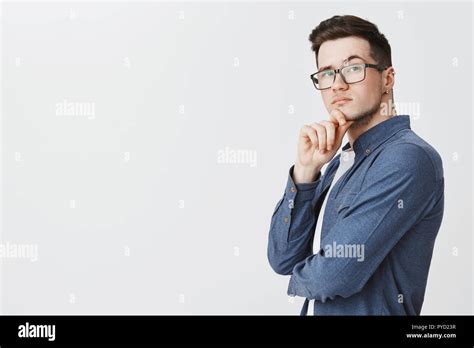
321,131
338,117
310,133
330,134
340,131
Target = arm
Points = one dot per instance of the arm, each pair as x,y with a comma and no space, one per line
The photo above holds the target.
292,224
294,219
375,219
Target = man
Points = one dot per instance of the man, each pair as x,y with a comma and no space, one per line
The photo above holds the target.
379,205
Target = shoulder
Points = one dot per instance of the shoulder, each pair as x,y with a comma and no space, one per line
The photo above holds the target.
412,154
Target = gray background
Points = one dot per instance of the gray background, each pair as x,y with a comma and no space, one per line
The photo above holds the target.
131,208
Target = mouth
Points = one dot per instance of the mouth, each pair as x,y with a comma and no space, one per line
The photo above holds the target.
341,101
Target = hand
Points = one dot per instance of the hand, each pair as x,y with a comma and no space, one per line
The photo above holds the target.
317,145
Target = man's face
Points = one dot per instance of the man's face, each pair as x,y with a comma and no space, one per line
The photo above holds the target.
365,96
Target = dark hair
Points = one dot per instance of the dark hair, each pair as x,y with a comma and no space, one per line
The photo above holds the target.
338,27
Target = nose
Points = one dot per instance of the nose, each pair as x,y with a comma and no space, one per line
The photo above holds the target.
339,83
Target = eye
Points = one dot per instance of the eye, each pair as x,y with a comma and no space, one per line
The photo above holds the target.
326,73
355,68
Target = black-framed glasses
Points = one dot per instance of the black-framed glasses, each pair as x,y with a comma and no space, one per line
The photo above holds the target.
350,74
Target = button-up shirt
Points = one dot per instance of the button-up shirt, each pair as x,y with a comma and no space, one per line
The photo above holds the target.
378,232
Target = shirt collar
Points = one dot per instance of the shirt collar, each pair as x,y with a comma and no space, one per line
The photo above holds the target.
367,142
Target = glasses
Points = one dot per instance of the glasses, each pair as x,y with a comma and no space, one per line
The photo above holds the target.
350,74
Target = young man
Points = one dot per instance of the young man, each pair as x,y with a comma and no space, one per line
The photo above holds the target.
374,215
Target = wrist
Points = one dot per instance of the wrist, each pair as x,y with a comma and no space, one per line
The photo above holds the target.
305,174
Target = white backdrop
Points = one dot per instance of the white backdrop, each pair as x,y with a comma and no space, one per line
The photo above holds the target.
145,145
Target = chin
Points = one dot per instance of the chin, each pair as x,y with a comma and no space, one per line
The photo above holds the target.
349,112
351,116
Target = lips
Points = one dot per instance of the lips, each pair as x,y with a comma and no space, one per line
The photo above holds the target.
340,99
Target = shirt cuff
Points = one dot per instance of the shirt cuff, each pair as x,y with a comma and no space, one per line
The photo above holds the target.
300,192
294,289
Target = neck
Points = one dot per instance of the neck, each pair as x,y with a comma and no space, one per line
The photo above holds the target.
386,111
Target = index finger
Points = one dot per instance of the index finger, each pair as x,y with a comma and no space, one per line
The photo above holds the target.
338,117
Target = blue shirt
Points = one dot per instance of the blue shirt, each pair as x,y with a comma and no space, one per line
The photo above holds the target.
379,228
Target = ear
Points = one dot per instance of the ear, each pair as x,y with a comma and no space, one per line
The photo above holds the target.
388,79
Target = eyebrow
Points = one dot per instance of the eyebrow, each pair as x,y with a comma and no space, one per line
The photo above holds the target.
348,58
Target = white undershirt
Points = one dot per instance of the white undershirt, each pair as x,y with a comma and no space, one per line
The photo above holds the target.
345,162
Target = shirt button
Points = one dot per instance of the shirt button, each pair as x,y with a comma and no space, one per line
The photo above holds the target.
292,189
286,220
367,151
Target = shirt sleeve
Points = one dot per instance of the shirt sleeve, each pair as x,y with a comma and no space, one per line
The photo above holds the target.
292,224
398,190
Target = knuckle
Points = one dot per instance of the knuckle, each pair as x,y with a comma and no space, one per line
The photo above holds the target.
329,124
305,130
